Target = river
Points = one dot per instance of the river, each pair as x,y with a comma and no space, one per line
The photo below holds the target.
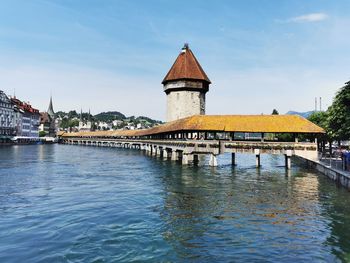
64,203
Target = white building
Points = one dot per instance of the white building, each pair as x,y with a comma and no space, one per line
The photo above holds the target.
7,116
117,123
104,126
84,125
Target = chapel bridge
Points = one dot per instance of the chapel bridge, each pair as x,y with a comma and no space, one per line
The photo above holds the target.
189,138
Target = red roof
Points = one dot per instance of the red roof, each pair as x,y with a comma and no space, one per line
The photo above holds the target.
186,66
24,106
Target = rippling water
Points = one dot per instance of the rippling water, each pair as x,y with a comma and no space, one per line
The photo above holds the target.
61,203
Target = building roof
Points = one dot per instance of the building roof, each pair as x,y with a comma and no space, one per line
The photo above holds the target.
242,123
186,66
26,107
221,123
45,117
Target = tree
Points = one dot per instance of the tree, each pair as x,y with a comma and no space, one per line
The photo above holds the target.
73,114
339,115
42,133
320,118
73,123
275,112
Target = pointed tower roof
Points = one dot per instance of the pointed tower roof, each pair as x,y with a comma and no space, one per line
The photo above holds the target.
186,66
50,109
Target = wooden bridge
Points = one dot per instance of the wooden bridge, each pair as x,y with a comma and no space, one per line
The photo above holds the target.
187,139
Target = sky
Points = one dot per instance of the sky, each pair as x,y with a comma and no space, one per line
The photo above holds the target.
109,55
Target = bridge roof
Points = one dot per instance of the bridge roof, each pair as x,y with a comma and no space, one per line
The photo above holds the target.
221,123
186,66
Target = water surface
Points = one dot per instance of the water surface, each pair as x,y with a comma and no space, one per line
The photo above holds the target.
62,203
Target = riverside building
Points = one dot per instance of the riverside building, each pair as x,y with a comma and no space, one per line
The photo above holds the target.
26,119
85,125
7,117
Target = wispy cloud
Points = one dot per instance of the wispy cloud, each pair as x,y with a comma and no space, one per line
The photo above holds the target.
313,17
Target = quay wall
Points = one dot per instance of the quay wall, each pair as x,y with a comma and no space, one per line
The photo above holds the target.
340,177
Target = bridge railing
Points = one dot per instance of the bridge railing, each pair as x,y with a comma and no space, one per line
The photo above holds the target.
219,146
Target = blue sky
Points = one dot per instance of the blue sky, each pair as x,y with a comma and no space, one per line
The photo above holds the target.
112,55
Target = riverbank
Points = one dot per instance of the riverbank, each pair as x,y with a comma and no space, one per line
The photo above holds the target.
339,176
28,141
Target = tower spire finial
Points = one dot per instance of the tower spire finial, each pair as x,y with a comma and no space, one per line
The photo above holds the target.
185,48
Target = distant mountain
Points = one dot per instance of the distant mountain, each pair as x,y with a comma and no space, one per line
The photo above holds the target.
302,114
110,116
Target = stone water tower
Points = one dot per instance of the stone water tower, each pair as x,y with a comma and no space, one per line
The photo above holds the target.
185,86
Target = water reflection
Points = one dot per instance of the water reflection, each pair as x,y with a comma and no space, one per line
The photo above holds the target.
258,212
92,204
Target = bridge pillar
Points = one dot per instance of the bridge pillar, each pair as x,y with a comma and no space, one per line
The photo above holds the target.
195,159
233,158
165,154
174,155
257,157
159,152
190,158
154,150
288,161
185,159
213,160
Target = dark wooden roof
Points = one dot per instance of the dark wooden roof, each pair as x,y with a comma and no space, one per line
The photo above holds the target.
187,67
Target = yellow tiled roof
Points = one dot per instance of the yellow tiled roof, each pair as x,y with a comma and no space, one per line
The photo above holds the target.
60,133
224,123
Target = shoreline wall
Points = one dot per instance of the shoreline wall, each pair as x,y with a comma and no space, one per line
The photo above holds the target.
340,177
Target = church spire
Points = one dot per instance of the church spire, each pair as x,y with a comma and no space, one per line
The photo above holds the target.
50,109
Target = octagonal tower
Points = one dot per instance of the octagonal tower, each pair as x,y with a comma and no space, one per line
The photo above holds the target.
185,86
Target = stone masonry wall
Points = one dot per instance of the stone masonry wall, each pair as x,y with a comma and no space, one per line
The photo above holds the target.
181,104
